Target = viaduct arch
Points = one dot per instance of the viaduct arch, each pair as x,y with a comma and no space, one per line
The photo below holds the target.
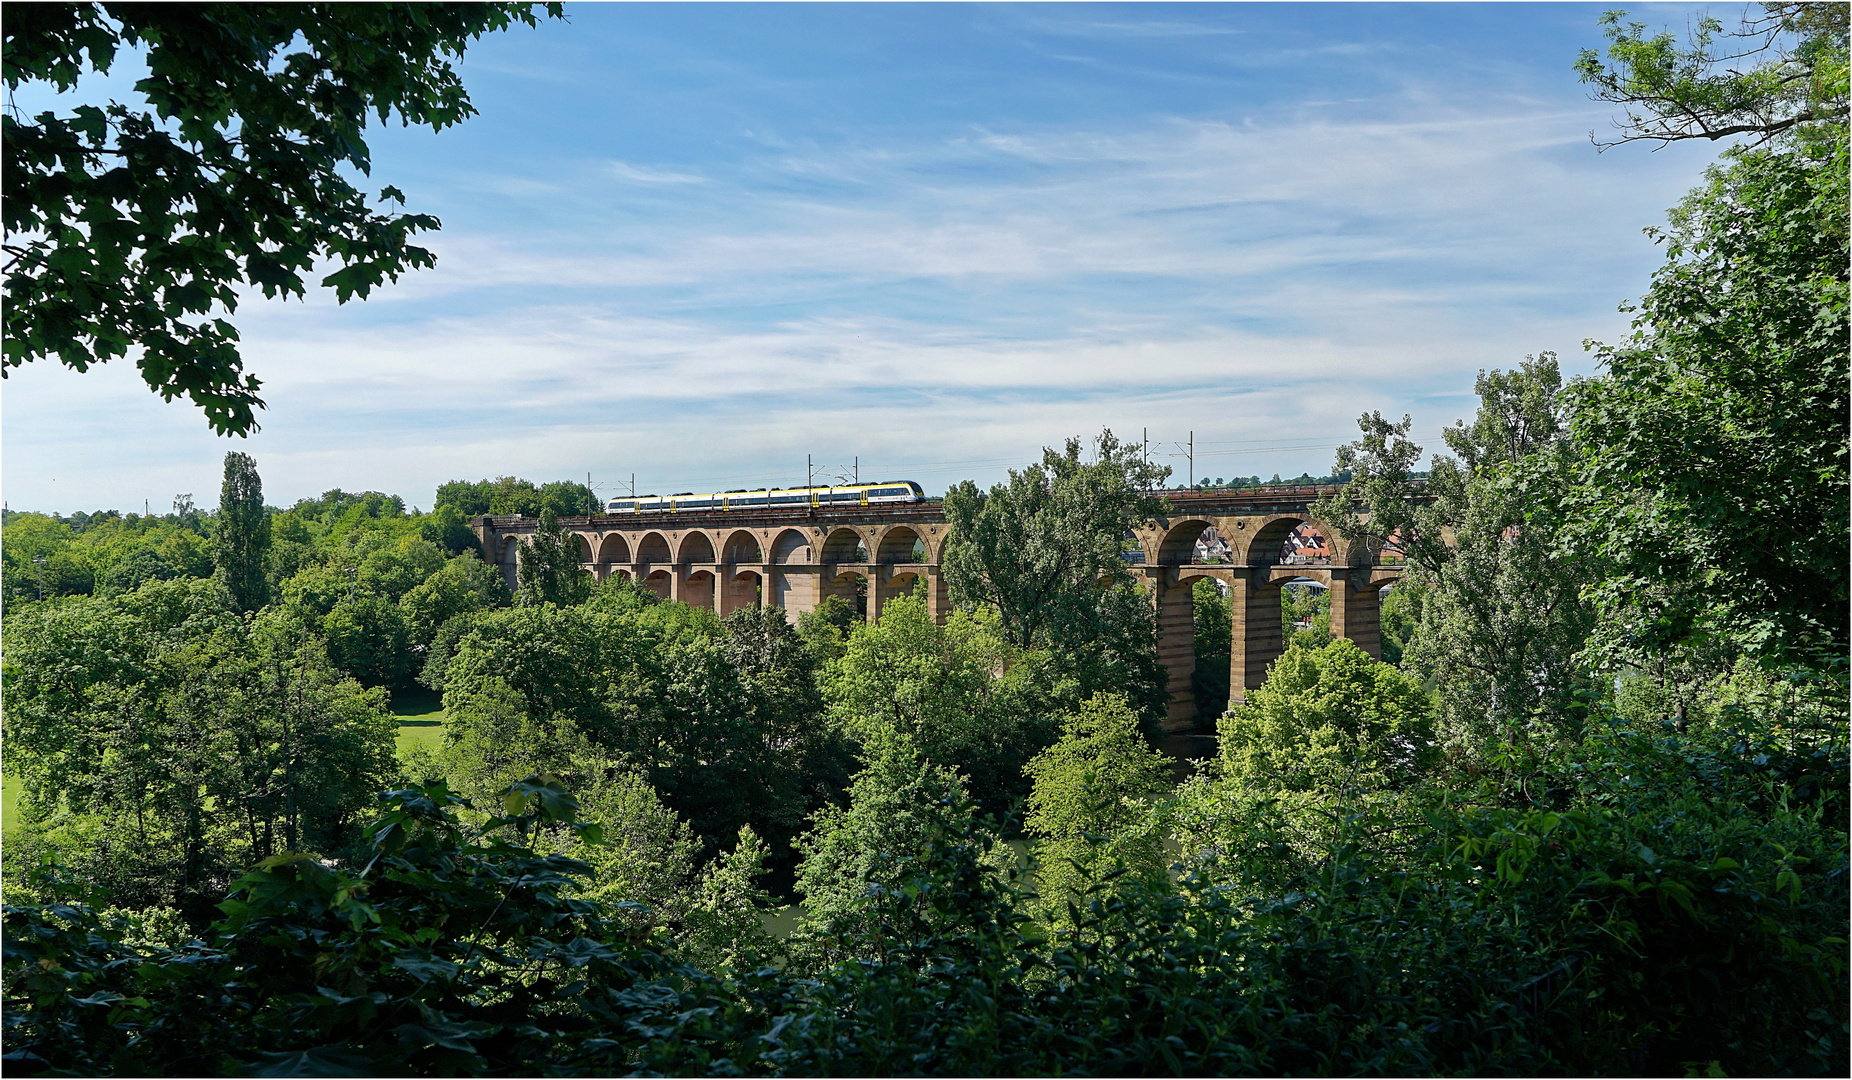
1254,543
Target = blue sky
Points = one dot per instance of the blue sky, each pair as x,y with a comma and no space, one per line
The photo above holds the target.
699,242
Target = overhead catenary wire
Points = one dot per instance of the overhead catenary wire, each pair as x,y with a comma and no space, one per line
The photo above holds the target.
894,468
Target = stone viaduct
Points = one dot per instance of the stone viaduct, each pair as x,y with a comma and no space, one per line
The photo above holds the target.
794,558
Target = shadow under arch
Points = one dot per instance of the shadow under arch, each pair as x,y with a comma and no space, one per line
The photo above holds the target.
899,586
614,548
653,547
1198,664
902,544
742,589
791,546
844,545
696,548
741,546
852,587
698,589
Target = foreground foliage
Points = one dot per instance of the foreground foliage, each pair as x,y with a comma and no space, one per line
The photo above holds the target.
1608,927
164,742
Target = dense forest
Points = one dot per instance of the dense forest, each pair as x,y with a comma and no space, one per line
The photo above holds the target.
1587,815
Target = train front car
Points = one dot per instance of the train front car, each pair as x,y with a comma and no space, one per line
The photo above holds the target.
892,492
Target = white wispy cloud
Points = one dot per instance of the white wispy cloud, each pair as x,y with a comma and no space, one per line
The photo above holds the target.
1260,276
641,175
1119,29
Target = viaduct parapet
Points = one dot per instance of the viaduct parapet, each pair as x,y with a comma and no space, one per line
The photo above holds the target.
793,559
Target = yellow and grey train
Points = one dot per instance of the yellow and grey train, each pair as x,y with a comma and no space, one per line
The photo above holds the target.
891,493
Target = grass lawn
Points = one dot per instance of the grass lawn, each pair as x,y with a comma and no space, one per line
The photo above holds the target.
421,718
9,801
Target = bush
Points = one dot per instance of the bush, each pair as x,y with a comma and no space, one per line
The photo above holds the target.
1653,934
1095,804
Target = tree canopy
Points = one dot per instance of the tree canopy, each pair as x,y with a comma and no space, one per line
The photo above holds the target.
134,227
1503,616
1702,90
1046,552
1038,547
1717,443
513,495
550,570
241,534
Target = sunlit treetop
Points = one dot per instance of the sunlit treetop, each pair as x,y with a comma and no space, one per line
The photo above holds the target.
1780,73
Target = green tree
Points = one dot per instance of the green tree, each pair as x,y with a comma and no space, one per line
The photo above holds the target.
65,573
310,748
316,589
1046,551
1302,602
447,528
802,760
137,569
1400,617
1039,548
966,698
367,638
463,585
549,571
354,602
1331,719
1516,926
127,225
466,498
334,504
568,498
854,853
1331,742
1504,619
1214,634
1094,805
513,495
186,552
1715,447
392,572
241,534
723,930
163,740
826,628
721,718
1704,91
645,854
